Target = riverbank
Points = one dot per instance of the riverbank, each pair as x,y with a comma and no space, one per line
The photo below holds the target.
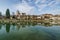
37,21
15,20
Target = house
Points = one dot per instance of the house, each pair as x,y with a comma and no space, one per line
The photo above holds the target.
55,17
18,15
23,14
13,17
34,17
38,17
46,16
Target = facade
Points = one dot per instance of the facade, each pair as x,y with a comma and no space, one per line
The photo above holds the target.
23,16
17,15
55,17
38,17
46,16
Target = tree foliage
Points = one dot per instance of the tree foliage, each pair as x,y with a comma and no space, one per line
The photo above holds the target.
0,14
7,13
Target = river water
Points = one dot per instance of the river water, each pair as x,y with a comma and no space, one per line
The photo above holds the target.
29,31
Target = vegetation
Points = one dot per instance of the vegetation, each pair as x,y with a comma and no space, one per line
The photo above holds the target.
0,14
13,15
46,18
7,13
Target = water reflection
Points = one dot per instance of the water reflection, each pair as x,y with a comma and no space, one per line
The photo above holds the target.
47,24
7,27
24,24
0,25
29,31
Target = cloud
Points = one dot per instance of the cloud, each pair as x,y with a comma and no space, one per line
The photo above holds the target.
51,3
57,0
23,7
37,1
36,6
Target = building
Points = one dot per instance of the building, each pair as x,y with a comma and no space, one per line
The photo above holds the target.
46,16
55,17
18,15
38,17
23,14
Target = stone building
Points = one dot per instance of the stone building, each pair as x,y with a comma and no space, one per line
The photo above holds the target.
55,17
46,16
17,15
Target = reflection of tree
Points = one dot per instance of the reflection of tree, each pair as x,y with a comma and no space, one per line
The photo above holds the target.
29,23
18,27
23,24
13,24
7,27
0,26
34,23
47,24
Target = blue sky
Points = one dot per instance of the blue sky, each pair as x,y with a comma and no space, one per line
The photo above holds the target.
36,7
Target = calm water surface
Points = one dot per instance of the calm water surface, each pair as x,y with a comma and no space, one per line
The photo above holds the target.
29,31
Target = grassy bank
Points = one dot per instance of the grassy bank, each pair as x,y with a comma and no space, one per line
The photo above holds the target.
18,21
15,20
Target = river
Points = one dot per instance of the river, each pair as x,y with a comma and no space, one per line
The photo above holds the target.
29,31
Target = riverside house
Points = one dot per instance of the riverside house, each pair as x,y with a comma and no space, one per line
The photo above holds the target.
38,17
23,16
46,16
55,17
18,15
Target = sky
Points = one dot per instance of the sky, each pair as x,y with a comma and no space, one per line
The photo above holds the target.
31,7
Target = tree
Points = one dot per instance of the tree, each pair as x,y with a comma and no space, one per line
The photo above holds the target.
13,14
0,14
18,12
7,13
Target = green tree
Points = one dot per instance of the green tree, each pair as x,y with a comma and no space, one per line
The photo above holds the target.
0,14
7,13
13,14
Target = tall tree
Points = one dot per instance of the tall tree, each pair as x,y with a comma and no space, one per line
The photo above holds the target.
7,13
0,14
13,14
18,12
